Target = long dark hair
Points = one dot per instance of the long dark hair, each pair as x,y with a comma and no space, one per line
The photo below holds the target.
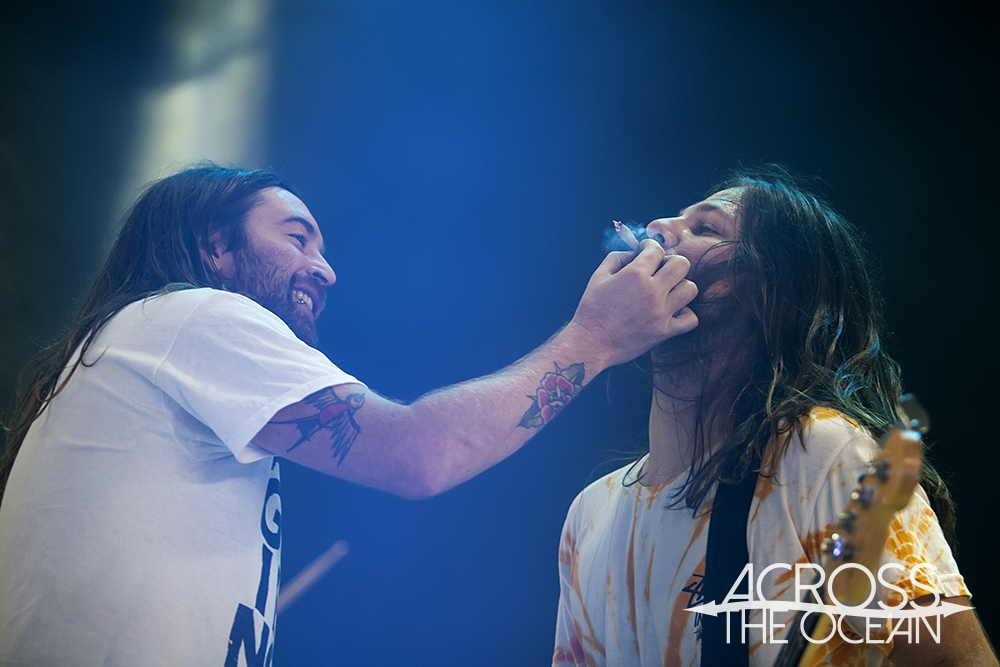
158,248
800,328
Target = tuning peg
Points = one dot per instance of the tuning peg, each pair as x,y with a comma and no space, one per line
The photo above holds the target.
912,414
846,520
832,545
837,547
863,496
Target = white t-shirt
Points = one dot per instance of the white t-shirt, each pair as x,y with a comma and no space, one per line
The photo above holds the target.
630,565
140,525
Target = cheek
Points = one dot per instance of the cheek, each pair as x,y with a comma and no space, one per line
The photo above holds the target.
712,253
717,289
285,257
701,256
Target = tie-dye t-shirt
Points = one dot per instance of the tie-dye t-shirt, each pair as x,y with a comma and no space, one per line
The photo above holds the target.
630,564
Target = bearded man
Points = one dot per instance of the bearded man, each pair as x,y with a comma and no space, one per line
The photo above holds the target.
140,521
780,391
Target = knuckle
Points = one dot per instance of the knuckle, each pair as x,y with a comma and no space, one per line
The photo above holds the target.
650,245
680,262
684,292
615,257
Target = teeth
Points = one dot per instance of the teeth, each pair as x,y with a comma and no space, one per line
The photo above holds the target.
301,297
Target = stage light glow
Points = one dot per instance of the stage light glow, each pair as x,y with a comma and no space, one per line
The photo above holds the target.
213,103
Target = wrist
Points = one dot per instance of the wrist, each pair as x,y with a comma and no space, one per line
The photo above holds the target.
576,343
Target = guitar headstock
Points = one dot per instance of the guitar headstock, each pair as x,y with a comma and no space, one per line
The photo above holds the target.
883,489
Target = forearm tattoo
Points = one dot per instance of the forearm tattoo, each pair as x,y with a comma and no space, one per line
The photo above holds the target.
554,392
333,414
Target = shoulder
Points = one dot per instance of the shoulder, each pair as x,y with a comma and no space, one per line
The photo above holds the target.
602,495
828,443
818,473
201,308
197,324
181,302
815,475
589,521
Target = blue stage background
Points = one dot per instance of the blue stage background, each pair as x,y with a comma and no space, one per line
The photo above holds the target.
465,160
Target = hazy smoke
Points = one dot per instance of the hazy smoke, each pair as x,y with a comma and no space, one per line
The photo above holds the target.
614,242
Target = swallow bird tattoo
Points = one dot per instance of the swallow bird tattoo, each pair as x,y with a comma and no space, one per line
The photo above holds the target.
333,414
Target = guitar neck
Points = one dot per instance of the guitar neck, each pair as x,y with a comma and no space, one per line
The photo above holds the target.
791,654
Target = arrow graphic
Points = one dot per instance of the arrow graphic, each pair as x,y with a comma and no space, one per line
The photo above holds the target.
941,609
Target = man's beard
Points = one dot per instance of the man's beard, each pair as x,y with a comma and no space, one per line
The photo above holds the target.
258,277
700,355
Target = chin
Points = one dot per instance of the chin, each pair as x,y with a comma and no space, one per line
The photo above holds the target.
302,325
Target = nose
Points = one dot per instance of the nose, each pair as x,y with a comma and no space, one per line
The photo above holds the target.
321,271
665,231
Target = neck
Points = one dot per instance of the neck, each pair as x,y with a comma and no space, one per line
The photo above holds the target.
692,362
673,421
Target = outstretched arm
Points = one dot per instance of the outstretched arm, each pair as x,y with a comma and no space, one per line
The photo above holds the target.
631,303
963,642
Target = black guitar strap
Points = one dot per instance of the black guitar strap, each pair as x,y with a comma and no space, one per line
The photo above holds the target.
726,556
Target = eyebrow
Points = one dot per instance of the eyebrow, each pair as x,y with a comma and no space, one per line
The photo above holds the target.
311,230
707,207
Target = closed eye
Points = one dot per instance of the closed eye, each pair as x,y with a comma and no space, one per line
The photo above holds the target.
702,230
300,238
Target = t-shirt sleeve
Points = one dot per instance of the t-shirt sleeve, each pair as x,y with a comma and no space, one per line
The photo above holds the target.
233,364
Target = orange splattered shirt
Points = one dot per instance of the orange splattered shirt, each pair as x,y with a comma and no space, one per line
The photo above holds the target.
629,565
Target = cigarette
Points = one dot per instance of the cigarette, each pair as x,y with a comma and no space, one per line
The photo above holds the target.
626,235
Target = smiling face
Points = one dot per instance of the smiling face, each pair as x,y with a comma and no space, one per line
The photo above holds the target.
282,267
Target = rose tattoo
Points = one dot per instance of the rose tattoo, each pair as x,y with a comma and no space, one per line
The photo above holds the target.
554,392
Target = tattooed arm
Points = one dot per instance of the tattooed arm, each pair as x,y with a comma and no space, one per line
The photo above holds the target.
448,436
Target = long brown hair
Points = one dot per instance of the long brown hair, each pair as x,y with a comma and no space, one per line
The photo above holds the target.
158,248
800,328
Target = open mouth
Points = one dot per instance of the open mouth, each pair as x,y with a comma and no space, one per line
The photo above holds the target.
300,297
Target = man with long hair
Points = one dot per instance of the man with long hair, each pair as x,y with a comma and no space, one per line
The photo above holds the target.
784,385
140,520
